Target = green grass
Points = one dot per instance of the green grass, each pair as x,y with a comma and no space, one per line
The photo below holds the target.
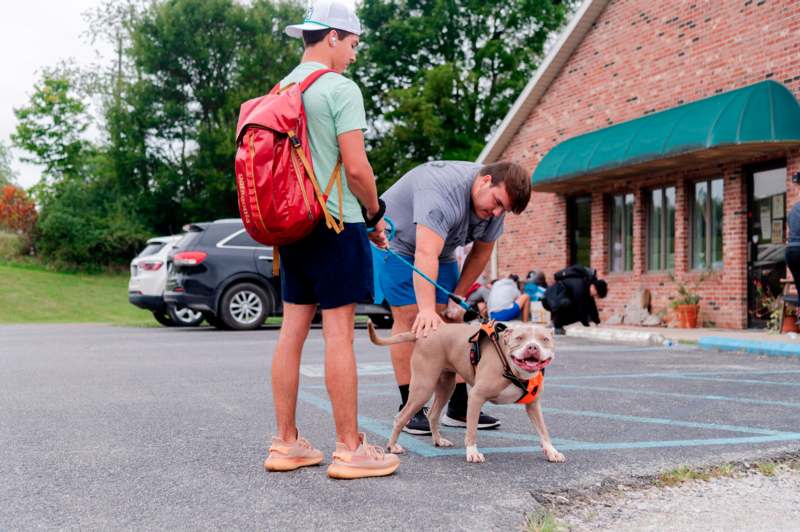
542,521
767,468
682,474
30,294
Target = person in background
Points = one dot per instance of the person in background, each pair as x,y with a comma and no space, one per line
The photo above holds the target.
792,253
479,297
572,298
535,284
506,302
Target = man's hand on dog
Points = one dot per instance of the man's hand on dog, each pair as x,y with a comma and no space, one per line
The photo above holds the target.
427,322
454,312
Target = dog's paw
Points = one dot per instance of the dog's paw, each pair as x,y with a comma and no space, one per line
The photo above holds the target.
473,456
396,449
553,455
442,442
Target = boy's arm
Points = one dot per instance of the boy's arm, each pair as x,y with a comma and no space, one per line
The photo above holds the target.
361,180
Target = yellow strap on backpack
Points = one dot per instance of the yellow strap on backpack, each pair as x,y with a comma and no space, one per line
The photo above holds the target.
322,198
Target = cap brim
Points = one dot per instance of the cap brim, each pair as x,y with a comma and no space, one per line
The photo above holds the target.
296,30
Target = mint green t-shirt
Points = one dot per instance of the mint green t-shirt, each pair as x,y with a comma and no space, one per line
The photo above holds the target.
333,105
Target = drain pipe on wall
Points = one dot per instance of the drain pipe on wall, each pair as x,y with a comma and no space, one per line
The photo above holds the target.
493,260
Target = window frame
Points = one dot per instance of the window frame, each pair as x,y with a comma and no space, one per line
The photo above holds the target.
709,223
626,231
663,236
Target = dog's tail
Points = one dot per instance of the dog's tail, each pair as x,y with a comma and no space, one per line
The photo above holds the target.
396,339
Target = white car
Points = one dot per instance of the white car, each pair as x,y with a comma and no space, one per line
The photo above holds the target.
148,280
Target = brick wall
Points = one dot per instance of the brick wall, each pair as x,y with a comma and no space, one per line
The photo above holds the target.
641,57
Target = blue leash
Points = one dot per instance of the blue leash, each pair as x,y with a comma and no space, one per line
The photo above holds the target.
471,312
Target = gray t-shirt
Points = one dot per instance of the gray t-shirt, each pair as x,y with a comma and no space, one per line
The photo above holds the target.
438,195
503,295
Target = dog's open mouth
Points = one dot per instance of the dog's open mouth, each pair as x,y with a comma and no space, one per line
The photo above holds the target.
531,363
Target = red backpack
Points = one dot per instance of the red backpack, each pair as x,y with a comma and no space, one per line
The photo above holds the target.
280,200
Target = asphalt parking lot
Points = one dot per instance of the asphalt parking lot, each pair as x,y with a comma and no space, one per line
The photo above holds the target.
147,428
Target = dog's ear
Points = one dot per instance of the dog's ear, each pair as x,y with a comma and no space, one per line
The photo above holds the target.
505,334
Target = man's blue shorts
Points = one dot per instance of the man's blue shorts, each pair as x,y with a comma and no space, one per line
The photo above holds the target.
329,269
507,314
397,280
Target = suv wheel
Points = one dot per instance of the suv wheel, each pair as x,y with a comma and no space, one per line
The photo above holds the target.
214,321
163,319
184,316
245,307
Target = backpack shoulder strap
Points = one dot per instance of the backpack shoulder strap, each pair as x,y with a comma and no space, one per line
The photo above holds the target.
314,76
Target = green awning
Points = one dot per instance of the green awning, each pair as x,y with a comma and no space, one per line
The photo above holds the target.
754,120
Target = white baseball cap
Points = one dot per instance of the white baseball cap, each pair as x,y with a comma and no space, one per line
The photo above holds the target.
330,14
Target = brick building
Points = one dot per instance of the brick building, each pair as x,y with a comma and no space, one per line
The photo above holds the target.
662,138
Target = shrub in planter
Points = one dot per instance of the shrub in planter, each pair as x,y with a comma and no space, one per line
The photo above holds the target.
687,302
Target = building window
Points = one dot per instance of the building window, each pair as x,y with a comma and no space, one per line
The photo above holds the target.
621,237
706,240
661,229
579,220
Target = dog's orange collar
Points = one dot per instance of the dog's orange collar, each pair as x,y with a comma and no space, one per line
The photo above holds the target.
534,387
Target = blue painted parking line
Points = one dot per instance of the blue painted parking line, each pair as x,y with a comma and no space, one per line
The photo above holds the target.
684,377
616,417
661,421
425,449
783,349
745,400
615,446
376,427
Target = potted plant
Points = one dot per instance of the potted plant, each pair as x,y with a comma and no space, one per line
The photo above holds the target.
687,303
771,309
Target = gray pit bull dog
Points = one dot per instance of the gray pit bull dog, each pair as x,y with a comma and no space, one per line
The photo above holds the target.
438,357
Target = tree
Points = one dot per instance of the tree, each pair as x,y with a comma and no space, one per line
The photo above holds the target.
199,60
18,215
439,75
17,210
52,126
7,174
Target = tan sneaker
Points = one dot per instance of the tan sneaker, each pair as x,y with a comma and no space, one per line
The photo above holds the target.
290,456
366,461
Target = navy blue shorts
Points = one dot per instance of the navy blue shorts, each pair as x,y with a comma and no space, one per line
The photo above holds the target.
328,269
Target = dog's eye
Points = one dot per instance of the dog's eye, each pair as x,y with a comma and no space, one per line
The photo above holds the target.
546,340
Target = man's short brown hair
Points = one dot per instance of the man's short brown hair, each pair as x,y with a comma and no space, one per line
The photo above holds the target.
517,180
312,37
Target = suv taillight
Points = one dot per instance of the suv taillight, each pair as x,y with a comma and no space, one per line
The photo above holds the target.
150,266
189,258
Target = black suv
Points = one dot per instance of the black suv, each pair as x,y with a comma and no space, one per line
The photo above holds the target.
220,271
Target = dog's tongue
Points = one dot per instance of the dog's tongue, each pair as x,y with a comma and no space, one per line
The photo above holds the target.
532,364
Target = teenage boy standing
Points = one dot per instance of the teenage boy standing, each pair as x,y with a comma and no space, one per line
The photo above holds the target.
328,269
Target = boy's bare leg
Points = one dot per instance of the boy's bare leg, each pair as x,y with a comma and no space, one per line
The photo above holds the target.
286,366
341,378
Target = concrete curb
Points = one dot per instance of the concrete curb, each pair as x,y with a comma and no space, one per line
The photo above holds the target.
616,335
784,349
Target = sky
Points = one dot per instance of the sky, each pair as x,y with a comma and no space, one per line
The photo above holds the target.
36,34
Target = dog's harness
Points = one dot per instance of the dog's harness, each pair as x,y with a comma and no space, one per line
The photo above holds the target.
531,387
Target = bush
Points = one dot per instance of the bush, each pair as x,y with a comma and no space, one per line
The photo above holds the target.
18,216
78,230
12,246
